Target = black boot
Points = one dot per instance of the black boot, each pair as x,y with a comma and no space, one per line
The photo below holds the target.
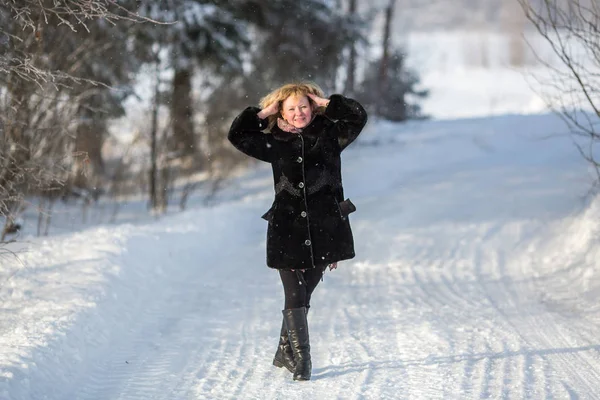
297,326
284,357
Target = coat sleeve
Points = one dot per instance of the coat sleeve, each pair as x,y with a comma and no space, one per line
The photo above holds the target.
350,118
245,134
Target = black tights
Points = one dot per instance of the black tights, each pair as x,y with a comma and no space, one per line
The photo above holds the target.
298,286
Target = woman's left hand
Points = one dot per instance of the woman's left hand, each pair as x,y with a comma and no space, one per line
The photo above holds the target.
332,266
319,101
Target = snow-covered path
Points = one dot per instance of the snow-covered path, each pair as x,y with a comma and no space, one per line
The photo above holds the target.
476,277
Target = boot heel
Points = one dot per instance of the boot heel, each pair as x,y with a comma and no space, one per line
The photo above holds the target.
277,364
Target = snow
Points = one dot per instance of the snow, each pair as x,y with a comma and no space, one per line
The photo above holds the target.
476,276
476,273
471,73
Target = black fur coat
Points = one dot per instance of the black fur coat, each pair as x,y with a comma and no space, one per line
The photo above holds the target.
308,221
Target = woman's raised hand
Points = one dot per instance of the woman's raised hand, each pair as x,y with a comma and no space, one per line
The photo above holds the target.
271,109
319,101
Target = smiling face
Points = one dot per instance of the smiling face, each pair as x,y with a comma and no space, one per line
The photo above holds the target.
297,111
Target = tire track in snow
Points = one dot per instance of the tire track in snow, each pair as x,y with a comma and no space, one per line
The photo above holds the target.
243,356
447,318
490,284
110,364
497,290
552,331
363,358
510,383
229,379
247,356
175,347
490,366
465,303
354,324
453,300
532,325
348,357
156,341
466,385
434,294
209,374
143,355
237,360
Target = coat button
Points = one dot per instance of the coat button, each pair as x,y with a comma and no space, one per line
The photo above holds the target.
299,159
307,242
303,214
301,185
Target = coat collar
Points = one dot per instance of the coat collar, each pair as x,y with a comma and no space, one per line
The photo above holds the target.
283,135
310,129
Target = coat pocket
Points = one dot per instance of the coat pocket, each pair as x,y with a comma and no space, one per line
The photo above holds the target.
346,208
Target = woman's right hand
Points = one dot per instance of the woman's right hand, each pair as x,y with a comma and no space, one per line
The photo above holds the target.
271,109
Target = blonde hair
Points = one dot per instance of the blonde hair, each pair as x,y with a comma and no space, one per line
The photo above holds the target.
280,94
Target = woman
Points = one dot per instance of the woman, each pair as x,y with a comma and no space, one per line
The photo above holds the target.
308,222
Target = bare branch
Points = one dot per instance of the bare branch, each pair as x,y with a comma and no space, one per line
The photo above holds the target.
572,32
82,11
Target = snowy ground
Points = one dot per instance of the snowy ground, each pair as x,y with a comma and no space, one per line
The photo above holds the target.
476,276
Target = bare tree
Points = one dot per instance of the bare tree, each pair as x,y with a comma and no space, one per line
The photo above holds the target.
49,51
31,16
572,29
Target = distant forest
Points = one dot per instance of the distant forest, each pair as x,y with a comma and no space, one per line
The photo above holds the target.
68,68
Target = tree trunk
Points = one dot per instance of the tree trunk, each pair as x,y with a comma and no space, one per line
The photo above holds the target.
383,68
182,113
15,150
89,139
153,203
351,77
